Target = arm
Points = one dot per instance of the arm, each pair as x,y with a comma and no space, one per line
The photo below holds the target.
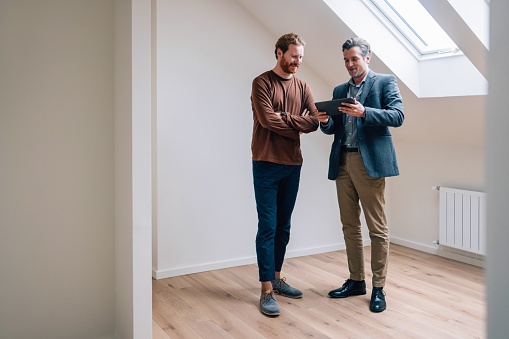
264,112
307,120
385,105
327,128
391,111
327,124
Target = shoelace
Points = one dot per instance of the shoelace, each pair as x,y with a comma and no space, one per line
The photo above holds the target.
280,283
269,295
379,293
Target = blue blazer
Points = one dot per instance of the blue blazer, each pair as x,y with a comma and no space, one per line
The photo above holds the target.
384,108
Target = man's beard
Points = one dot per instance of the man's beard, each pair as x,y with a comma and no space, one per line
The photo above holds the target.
286,67
356,74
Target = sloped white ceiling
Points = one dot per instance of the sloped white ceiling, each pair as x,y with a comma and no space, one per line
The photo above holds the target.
326,24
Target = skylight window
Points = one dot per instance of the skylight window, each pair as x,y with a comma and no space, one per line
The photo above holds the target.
411,22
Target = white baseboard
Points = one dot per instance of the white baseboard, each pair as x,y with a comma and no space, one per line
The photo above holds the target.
443,251
321,249
314,250
174,272
433,249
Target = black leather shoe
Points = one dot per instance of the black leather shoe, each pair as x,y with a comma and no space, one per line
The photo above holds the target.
377,303
350,287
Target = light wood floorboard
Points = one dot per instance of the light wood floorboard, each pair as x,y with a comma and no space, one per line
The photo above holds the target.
427,297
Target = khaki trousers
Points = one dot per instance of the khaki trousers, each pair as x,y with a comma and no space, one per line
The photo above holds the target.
353,184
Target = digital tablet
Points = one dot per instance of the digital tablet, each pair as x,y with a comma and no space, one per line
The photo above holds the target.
331,106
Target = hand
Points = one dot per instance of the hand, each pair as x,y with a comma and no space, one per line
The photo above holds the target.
356,109
322,117
304,113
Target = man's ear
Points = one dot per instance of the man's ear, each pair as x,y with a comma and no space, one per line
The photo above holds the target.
279,53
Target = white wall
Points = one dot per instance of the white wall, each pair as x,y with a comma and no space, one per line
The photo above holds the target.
463,78
208,53
497,160
133,204
56,185
441,143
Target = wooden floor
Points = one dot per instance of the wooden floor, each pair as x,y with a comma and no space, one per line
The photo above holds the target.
427,297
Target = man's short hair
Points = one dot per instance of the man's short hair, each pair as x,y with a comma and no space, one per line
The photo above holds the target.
284,42
361,43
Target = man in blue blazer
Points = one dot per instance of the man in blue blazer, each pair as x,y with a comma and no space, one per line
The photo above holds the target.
362,155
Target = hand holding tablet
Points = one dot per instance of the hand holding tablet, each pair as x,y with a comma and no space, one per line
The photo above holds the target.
331,106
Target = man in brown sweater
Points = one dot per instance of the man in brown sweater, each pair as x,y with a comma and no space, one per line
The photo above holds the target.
283,109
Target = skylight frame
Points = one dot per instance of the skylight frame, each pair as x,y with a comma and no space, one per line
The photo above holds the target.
405,32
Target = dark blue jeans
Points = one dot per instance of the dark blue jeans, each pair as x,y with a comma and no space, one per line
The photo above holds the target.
276,188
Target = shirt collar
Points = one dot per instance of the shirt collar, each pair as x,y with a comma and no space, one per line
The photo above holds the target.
351,82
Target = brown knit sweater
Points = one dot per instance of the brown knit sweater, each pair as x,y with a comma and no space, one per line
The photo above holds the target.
273,139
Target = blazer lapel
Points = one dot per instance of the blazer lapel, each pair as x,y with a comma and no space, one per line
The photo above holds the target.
370,80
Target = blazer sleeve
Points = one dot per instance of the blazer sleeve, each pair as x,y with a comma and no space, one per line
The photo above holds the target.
328,128
388,97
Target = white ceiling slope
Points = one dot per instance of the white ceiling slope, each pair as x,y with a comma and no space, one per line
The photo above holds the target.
326,24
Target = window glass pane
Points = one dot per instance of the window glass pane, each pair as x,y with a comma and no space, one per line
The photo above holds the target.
416,25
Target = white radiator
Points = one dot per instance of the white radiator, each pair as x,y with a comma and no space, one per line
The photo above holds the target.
463,219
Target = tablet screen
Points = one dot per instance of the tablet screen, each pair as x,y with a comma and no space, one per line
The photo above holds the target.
331,106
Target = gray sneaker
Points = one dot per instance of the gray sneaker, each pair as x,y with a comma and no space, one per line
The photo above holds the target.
281,287
268,304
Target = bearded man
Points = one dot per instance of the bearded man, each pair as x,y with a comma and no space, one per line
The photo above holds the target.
283,109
